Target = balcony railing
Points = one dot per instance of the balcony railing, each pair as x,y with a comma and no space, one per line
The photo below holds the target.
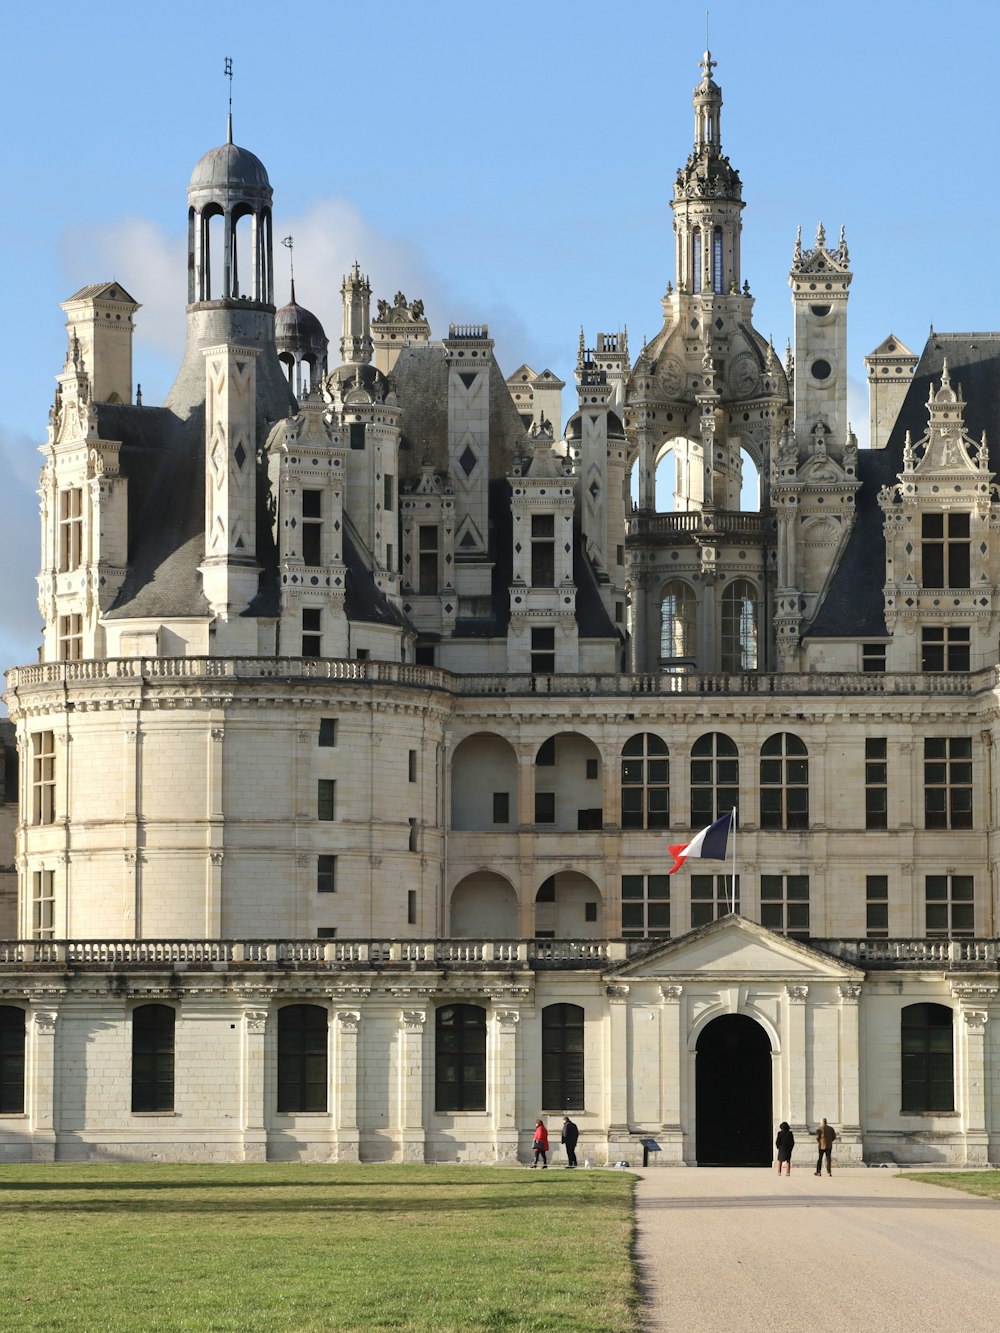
152,671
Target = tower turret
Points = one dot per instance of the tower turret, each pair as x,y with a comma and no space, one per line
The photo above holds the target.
356,343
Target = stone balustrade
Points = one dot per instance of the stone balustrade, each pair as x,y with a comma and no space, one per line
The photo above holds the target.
156,670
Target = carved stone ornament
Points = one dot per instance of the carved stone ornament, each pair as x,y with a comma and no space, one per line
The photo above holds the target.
256,1020
797,994
412,1020
850,992
217,733
671,993
975,1019
617,992
45,1023
507,1019
216,858
349,1020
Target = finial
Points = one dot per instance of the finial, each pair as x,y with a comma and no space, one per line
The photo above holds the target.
821,235
138,395
228,73
945,379
289,243
707,64
769,356
797,252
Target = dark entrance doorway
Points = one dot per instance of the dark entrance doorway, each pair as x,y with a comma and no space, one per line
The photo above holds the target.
733,1094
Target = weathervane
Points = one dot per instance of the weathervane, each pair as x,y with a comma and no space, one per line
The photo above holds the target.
289,244
228,73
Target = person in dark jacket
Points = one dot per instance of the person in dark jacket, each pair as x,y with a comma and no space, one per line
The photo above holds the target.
784,1142
569,1136
540,1145
826,1136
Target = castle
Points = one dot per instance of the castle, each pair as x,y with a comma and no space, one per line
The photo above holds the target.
370,699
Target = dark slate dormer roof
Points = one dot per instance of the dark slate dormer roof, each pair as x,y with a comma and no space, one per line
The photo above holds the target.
364,601
854,606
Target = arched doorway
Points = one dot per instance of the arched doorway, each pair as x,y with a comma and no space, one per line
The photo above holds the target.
733,1093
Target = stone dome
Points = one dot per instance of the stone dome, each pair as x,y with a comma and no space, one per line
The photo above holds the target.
294,324
229,167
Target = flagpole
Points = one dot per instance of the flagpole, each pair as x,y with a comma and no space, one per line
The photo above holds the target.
733,885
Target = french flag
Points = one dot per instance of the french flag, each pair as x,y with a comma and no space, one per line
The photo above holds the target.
710,844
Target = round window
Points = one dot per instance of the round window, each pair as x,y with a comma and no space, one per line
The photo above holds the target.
821,370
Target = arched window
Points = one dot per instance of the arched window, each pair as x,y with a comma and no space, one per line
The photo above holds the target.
715,778
153,1058
717,260
460,1058
562,1057
678,621
11,1060
928,1074
302,1058
784,782
696,260
645,782
739,627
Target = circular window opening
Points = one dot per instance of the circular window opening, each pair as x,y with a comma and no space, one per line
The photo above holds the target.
821,370
820,310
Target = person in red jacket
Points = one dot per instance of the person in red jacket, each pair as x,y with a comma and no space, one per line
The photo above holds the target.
540,1145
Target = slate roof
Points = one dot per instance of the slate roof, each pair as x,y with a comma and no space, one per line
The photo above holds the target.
854,606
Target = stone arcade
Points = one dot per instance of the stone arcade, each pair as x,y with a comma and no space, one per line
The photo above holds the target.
369,700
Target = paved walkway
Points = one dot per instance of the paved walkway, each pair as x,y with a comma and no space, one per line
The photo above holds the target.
739,1250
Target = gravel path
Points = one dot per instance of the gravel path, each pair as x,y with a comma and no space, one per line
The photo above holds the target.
743,1251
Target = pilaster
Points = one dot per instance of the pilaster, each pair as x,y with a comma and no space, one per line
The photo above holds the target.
672,1066
410,1093
505,1083
345,1085
40,1086
252,1125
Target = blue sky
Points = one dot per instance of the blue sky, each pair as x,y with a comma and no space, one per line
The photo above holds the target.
511,164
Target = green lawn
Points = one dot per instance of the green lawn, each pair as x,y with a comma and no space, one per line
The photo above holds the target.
272,1248
986,1183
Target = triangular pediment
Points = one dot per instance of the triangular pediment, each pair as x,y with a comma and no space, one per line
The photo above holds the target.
892,346
522,376
736,947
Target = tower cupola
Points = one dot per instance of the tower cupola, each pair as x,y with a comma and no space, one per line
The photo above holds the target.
229,193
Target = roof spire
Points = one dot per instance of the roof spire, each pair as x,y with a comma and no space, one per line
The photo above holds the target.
289,245
228,72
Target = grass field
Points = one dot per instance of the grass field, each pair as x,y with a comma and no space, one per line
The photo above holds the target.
270,1249
984,1183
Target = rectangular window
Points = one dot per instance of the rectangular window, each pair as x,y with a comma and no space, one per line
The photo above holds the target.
411,766
43,777
326,933
948,782
312,636
427,558
591,770
326,798
711,897
784,904
543,650
388,493
945,648
424,655
70,638
590,911
388,557
877,907
620,555
873,657
312,527
43,904
357,434
70,529
950,905
645,906
876,783
501,807
545,807
944,547
543,551
326,874
411,907
328,731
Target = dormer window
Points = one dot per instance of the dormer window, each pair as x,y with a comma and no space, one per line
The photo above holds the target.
543,551
945,549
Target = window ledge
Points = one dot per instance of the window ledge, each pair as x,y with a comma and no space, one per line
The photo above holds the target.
153,1115
933,1115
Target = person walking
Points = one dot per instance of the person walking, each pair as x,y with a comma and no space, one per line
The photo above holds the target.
569,1136
784,1142
826,1136
540,1145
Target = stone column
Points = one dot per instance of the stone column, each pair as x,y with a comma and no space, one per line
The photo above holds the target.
849,1146
252,1118
502,1092
794,1061
972,1075
411,1085
40,1086
673,1048
345,1086
617,1066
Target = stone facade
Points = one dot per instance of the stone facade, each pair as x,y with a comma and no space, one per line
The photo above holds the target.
371,698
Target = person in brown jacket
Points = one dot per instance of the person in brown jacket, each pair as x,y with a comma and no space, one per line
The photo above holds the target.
825,1137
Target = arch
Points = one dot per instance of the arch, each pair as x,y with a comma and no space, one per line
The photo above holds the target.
927,1058
484,905
153,1057
678,624
563,1057
645,785
483,783
784,782
211,229
750,483
303,1074
568,789
569,905
733,1092
715,777
679,475
696,261
460,1058
12,1021
740,626
243,237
